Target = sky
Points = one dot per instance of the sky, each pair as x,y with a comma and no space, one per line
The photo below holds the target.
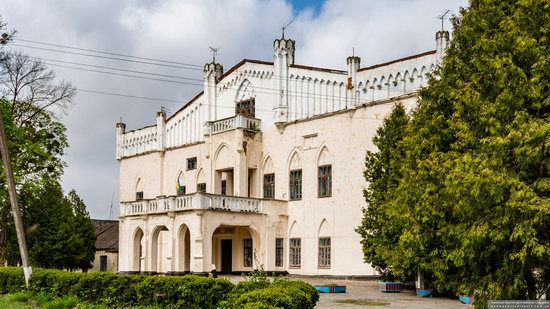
326,32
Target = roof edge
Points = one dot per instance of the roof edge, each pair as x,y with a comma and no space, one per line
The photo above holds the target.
397,60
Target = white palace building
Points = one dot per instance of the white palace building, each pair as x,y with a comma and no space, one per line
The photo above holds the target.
264,166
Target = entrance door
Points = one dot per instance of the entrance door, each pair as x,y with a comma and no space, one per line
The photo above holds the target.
227,255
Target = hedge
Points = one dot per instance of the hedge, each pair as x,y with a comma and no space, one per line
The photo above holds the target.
116,290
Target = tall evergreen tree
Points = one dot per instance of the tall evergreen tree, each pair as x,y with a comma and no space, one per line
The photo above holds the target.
473,197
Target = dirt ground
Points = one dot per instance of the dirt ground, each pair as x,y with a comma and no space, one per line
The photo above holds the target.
368,290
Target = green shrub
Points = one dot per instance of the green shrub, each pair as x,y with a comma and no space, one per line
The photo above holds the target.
62,289
11,280
275,296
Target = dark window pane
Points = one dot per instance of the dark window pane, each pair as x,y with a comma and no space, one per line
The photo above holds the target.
102,263
201,187
247,252
295,252
246,107
295,185
279,252
269,186
139,196
324,252
324,181
192,163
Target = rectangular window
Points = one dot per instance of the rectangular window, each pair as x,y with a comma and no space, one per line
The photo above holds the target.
295,182
139,196
201,187
224,187
191,163
247,252
325,181
102,263
324,252
295,252
278,252
246,107
269,186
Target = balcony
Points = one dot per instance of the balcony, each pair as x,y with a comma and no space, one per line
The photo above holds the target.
236,122
195,201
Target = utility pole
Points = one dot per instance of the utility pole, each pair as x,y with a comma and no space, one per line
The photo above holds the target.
27,270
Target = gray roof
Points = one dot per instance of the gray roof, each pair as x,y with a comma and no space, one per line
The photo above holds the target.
106,235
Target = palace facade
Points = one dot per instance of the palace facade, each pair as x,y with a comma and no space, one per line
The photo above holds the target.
264,166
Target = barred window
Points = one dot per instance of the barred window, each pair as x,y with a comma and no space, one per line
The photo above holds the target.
278,252
325,181
246,107
247,252
269,186
324,252
201,187
295,180
295,252
139,196
191,163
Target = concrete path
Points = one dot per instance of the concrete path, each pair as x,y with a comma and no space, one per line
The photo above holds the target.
368,290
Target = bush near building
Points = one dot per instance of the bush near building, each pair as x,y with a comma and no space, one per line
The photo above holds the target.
115,290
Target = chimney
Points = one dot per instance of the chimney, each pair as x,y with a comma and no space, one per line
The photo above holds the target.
354,63
283,57
120,130
212,73
441,44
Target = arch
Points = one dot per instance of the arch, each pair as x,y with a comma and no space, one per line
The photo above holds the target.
201,176
137,250
294,160
294,231
223,158
268,166
245,91
324,157
184,249
159,249
138,186
324,229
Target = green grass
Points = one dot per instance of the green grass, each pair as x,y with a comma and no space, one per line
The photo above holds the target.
17,301
363,302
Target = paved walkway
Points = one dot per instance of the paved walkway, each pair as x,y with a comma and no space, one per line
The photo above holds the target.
368,290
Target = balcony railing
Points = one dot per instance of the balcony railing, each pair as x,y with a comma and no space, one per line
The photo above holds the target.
236,122
196,201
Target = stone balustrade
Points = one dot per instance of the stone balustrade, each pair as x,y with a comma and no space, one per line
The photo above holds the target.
195,201
236,122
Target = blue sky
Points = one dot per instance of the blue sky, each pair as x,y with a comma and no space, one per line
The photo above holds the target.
301,5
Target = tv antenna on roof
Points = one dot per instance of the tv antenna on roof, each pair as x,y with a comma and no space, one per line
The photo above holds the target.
442,16
285,26
215,51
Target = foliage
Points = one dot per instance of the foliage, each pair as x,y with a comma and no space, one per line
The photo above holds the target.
114,290
470,208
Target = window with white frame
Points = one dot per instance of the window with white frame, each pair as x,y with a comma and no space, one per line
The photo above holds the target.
295,252
324,252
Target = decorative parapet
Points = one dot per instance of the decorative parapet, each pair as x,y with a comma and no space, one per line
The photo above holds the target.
195,201
236,122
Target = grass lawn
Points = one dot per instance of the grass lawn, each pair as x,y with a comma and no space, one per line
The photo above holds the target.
363,302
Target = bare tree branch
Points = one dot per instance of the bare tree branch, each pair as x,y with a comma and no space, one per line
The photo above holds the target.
30,87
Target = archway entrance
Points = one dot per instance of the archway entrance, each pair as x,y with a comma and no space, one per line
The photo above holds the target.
160,249
137,254
233,249
184,249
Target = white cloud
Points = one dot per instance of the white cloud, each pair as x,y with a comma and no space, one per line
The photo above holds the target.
182,31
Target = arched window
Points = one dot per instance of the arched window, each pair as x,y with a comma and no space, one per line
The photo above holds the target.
180,184
245,101
295,178
324,173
